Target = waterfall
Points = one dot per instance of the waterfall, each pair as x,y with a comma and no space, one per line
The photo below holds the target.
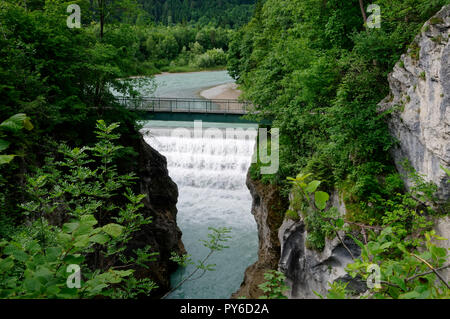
210,170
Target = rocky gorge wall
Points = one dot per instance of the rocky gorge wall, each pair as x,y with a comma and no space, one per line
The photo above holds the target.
308,270
420,103
163,234
420,121
268,209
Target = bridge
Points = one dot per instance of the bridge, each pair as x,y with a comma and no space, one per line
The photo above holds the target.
185,105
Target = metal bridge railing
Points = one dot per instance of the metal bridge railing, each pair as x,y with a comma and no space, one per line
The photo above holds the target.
185,105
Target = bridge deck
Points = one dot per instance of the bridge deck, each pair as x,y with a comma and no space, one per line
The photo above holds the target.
186,105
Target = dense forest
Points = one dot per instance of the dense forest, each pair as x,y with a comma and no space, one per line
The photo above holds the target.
224,13
318,72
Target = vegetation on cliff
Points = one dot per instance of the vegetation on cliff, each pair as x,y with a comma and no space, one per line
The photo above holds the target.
318,70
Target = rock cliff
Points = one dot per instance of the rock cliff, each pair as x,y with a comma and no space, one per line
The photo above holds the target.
420,120
163,234
268,209
420,102
308,271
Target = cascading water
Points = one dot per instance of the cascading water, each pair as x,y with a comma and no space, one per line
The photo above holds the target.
210,171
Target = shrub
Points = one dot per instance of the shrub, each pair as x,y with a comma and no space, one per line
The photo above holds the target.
73,221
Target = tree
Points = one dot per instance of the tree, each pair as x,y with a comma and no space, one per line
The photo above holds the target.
363,10
110,10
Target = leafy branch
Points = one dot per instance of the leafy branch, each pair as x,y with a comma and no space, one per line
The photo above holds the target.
217,238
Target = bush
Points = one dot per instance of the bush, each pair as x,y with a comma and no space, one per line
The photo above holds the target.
211,58
73,222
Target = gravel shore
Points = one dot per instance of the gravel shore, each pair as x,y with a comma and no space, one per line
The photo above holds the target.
227,91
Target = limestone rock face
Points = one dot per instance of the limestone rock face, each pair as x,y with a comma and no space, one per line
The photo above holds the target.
267,208
163,234
420,121
420,101
308,270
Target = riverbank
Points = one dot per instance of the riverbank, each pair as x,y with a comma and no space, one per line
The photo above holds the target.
188,69
228,91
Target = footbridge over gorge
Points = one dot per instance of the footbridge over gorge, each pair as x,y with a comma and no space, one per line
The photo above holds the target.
188,109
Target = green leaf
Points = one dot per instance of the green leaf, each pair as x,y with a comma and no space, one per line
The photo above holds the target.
81,241
321,199
410,295
400,282
74,259
70,227
27,124
312,186
88,220
113,229
446,170
5,159
67,293
6,264
52,290
4,144
16,252
84,229
32,284
14,123
124,273
64,237
438,251
99,239
43,274
339,222
52,253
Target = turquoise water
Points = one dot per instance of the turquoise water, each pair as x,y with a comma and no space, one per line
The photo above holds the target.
210,171
189,85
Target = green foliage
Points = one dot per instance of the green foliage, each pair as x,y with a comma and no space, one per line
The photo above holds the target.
215,243
225,13
337,290
12,125
406,273
402,246
274,287
211,58
320,222
312,68
290,214
80,192
447,171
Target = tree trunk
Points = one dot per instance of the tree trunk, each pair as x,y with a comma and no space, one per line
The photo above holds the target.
363,11
102,18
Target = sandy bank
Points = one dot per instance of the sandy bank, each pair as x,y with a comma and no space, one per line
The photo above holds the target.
225,91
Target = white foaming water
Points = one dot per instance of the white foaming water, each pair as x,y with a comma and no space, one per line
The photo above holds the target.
210,174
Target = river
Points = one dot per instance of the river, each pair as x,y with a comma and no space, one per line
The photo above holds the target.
188,85
210,172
